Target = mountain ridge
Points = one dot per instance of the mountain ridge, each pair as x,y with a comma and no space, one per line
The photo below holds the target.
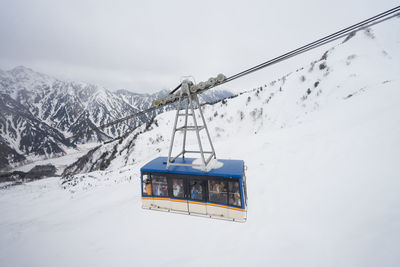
67,108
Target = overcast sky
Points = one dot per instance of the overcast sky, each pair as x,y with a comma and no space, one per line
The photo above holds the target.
146,46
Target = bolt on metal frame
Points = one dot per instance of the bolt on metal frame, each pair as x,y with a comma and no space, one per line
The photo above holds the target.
188,97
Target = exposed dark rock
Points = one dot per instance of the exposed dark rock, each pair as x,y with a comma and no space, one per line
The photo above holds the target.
8,155
322,66
349,36
368,32
80,164
40,171
324,56
36,173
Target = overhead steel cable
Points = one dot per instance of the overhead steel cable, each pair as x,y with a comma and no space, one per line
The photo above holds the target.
354,28
322,41
272,62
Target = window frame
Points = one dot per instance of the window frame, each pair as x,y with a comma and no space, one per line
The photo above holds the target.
235,180
171,177
187,178
142,181
220,179
243,189
204,181
160,174
227,179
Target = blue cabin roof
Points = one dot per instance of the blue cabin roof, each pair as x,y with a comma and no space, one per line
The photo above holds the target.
230,168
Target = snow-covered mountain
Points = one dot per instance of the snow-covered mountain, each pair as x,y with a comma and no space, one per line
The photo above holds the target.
321,147
38,112
23,134
336,75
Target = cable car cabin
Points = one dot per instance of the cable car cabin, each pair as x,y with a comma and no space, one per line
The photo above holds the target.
219,193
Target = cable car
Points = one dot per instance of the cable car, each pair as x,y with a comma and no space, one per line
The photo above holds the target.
218,193
204,186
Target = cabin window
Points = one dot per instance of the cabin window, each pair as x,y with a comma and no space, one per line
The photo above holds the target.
218,191
244,189
234,193
177,188
197,189
146,185
160,186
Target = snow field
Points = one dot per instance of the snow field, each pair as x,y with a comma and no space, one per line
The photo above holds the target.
322,178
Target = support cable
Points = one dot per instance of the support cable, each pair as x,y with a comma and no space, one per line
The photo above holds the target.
332,37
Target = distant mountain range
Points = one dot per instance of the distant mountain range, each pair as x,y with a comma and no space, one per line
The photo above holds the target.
39,112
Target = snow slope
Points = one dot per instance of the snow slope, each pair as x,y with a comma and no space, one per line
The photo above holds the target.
322,168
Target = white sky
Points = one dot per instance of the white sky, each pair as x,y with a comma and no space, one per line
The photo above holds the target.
146,46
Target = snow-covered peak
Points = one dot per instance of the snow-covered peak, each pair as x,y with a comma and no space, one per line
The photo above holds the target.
23,74
126,92
20,70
